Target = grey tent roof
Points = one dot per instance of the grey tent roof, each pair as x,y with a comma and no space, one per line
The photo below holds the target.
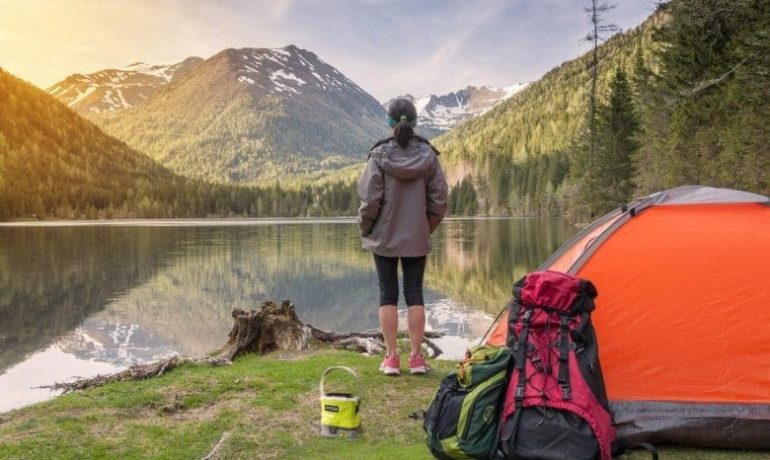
701,194
686,194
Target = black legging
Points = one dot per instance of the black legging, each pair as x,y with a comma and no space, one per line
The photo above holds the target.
387,274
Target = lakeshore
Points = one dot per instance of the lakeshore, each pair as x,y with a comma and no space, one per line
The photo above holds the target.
265,407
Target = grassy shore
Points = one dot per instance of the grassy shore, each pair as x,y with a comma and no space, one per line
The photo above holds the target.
267,405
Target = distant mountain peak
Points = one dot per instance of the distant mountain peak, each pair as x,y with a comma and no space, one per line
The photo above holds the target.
437,114
289,71
117,89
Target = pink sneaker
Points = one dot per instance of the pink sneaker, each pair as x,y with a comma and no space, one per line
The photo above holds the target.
391,365
417,365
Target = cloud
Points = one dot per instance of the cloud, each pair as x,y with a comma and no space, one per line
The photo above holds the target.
388,47
446,57
278,9
377,2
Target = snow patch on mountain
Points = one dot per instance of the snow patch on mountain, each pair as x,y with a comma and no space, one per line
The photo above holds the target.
115,90
289,71
164,71
80,95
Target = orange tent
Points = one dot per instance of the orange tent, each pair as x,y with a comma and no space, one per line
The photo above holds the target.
682,316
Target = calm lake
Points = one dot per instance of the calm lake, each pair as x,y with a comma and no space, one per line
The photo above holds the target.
82,299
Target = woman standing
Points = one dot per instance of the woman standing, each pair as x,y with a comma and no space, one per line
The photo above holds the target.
403,199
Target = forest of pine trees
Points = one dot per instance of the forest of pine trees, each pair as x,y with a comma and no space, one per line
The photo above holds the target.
683,99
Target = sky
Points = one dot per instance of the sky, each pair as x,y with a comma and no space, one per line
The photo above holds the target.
388,47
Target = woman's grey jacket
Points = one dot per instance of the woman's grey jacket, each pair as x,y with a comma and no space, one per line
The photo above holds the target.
403,196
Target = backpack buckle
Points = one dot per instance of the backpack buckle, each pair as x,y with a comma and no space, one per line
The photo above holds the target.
519,395
566,391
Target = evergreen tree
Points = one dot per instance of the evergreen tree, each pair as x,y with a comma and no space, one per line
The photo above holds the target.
596,11
605,182
705,111
617,126
650,160
462,200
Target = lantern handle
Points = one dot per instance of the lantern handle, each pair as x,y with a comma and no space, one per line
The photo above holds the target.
342,368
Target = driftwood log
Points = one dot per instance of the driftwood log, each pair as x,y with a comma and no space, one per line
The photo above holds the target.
271,327
135,372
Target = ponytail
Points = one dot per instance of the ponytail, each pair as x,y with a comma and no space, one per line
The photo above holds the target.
402,117
403,132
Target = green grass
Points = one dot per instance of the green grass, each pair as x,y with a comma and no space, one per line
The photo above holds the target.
268,404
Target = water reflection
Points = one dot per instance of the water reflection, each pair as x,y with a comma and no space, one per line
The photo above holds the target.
117,295
52,279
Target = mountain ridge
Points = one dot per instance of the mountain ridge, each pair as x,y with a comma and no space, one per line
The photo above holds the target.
116,89
248,115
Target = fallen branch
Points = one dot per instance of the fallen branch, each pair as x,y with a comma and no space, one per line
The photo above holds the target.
135,372
369,342
271,327
436,350
215,451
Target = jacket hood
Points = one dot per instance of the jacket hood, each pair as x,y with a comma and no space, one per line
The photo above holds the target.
416,160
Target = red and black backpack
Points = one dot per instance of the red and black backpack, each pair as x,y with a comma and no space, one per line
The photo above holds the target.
556,404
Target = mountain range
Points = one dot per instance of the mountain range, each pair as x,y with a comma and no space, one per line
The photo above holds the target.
296,126
242,116
438,114
251,114
56,164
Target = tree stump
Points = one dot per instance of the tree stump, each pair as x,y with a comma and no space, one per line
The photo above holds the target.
261,331
278,328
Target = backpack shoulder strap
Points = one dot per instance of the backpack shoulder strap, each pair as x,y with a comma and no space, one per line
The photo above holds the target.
415,136
381,142
426,141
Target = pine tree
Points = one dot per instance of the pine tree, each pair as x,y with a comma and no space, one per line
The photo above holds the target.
604,181
617,126
596,11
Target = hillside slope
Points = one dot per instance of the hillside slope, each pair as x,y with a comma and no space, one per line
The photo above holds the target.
697,85
515,158
51,159
545,116
56,164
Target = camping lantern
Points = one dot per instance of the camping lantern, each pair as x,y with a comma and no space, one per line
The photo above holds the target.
340,411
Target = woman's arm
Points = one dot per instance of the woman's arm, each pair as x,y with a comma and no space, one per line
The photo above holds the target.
437,195
370,188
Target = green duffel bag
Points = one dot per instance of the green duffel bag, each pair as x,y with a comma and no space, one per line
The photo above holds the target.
462,419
